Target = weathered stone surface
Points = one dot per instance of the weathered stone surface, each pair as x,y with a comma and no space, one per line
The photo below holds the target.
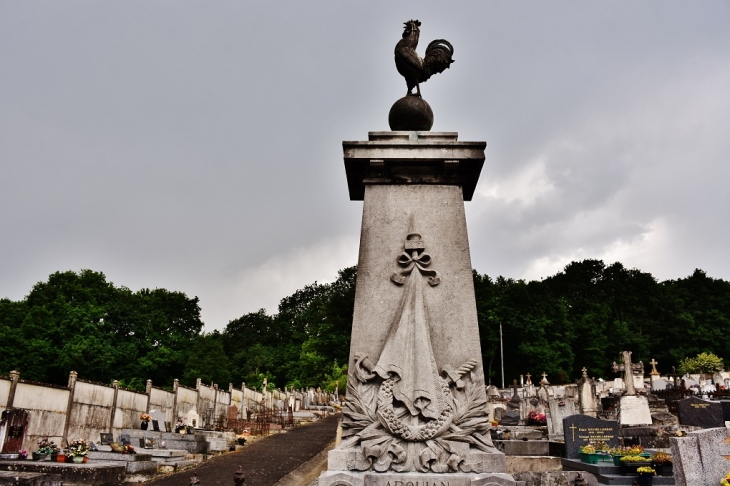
554,478
335,478
14,478
539,464
91,473
523,447
687,461
581,429
700,413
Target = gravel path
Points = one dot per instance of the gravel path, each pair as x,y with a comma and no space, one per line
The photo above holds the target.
265,461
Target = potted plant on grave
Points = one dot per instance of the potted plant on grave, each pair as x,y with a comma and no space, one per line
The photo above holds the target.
145,421
45,448
588,454
663,463
78,450
646,475
22,455
630,464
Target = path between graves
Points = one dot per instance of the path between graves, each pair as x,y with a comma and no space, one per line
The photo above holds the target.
265,461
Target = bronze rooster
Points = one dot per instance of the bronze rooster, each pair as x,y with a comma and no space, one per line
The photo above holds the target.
409,63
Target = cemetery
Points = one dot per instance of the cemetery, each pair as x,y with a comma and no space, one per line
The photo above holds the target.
415,401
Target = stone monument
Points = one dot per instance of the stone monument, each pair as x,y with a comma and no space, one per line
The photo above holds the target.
416,404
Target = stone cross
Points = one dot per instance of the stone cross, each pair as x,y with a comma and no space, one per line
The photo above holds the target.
529,381
515,396
585,372
653,364
627,368
544,380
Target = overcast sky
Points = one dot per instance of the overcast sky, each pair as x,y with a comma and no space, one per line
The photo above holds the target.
197,146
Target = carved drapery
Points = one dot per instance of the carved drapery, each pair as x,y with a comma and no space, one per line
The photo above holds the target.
402,412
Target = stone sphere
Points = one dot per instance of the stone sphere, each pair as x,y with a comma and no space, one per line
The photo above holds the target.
410,113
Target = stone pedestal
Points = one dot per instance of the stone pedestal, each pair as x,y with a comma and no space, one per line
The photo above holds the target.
416,403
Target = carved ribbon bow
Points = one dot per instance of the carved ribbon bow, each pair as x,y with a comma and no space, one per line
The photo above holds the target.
415,260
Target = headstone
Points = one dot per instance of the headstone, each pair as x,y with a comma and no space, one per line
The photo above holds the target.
700,413
192,418
587,395
232,412
511,417
725,410
658,384
14,426
158,415
106,438
578,430
703,457
124,439
559,408
634,410
155,425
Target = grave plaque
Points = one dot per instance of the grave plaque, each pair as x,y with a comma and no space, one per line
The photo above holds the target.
578,430
155,425
700,413
106,438
168,426
15,423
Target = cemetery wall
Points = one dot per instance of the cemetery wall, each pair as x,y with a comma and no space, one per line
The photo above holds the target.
86,409
187,399
91,410
165,402
129,406
47,406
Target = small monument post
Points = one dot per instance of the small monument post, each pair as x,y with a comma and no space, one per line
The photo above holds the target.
416,407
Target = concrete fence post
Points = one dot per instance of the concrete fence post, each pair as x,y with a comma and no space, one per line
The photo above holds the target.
113,413
72,377
14,379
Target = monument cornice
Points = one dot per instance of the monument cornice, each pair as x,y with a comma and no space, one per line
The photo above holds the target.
413,158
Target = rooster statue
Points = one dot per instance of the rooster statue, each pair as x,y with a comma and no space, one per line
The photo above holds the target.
409,63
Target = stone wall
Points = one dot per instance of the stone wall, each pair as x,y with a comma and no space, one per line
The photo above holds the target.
85,409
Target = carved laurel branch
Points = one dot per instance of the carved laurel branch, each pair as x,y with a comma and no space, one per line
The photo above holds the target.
384,449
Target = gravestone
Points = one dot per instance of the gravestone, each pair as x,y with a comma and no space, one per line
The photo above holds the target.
560,408
700,413
155,425
124,439
587,395
232,412
415,335
658,384
192,418
725,404
578,430
634,410
701,458
14,425
159,416
106,438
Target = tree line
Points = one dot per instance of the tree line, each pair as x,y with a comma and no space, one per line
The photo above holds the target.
580,317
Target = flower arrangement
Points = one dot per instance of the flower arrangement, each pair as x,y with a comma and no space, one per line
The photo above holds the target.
23,454
561,403
47,447
626,450
588,449
535,418
128,449
660,458
634,459
646,470
79,447
145,418
180,426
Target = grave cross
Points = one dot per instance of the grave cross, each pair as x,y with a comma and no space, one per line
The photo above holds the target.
653,364
529,381
628,370
585,372
544,380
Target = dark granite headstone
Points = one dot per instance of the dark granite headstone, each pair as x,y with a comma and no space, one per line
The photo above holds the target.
155,425
725,410
578,430
124,439
106,438
700,413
